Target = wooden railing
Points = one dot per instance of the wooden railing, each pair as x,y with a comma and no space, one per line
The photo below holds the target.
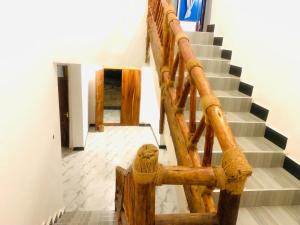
136,186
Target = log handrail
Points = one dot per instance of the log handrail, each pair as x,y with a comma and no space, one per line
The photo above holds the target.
164,32
135,187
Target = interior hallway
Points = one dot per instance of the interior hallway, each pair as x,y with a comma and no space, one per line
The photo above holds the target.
89,175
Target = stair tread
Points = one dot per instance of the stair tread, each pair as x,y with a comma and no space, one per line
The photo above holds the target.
221,75
233,117
262,215
248,144
271,179
230,93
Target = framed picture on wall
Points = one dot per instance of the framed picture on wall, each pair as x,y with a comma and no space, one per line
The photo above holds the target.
190,10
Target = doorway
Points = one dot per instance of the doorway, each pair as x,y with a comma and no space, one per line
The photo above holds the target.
63,98
112,95
118,94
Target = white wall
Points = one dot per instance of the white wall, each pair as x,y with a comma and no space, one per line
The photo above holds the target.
264,37
34,36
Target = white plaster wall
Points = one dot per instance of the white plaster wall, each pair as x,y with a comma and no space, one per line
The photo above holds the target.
264,37
35,35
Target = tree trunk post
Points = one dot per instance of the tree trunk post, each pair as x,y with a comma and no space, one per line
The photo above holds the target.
145,168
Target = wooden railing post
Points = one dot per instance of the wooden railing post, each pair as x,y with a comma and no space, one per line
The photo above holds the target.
144,171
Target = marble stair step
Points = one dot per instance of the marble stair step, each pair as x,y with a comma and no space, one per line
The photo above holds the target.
88,218
243,124
223,81
206,50
269,187
265,215
215,65
259,151
231,101
204,38
220,81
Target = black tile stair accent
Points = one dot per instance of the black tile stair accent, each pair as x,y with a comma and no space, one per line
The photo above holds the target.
259,111
292,167
235,70
210,28
245,88
226,54
275,137
78,148
218,41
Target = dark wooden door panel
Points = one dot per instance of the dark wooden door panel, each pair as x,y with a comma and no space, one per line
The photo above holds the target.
131,94
99,100
64,107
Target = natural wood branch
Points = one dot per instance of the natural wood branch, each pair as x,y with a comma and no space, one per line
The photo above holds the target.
209,142
196,137
184,96
186,219
193,105
180,78
187,175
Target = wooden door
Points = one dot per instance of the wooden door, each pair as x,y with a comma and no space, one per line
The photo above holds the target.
64,107
131,94
99,100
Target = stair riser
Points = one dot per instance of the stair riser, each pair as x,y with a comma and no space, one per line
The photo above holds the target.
229,104
267,197
201,38
207,51
245,129
215,65
256,159
217,83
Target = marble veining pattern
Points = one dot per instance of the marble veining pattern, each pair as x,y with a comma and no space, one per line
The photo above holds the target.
89,175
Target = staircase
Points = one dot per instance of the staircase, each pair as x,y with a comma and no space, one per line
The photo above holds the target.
87,218
271,195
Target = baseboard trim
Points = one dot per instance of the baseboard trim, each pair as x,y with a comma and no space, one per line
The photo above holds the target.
78,148
245,88
210,28
235,70
218,41
226,54
292,167
259,111
275,137
162,147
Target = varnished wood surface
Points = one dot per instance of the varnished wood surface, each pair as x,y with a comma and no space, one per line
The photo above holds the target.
99,100
131,94
186,219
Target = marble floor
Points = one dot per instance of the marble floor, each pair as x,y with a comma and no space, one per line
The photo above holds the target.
111,116
89,175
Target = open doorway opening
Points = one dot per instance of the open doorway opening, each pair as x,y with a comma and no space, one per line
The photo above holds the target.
112,95
63,97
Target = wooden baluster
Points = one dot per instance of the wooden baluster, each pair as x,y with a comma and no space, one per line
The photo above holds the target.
184,96
162,114
196,137
179,87
209,142
228,208
174,69
193,105
146,162
156,12
172,46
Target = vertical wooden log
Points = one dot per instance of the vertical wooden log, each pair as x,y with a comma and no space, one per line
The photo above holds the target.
145,164
174,69
172,45
99,100
228,208
162,114
209,142
196,137
179,87
184,96
193,105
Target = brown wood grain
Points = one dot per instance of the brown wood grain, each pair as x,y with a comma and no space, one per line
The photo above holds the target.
99,100
131,94
186,219
187,175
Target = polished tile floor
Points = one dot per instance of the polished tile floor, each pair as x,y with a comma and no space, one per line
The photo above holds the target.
89,175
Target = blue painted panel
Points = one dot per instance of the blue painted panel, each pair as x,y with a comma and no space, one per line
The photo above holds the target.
193,14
